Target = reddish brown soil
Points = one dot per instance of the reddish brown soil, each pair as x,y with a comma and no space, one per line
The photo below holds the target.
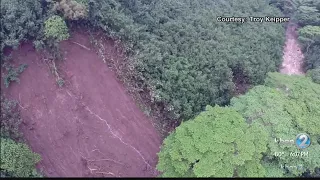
292,54
89,127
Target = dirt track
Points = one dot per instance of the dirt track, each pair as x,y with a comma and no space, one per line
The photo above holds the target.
90,127
292,54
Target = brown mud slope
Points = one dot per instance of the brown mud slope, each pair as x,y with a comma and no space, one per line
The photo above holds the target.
292,54
89,127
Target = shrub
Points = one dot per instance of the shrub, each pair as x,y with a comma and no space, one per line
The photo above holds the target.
56,29
17,159
10,119
315,75
13,74
39,44
71,9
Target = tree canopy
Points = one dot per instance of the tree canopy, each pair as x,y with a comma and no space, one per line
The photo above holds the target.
309,36
17,159
217,143
20,20
184,58
71,9
308,16
282,108
315,75
56,29
286,106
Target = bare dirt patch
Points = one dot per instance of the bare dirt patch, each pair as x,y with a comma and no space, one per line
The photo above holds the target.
124,69
90,126
292,54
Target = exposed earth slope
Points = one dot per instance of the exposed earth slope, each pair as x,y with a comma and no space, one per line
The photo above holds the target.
292,54
90,126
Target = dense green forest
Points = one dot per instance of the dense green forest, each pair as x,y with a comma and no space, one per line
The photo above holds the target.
182,62
243,133
186,59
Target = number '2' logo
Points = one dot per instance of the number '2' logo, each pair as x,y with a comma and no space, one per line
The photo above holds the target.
303,141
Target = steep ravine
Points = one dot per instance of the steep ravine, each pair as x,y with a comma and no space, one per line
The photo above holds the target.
292,54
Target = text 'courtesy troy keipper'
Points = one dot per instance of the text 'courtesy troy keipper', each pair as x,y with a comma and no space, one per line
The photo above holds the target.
255,19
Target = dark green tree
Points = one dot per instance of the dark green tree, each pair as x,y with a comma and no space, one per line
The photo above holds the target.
183,58
10,119
315,75
20,20
309,36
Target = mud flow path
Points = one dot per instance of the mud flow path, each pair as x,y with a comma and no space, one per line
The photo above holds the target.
292,54
89,127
